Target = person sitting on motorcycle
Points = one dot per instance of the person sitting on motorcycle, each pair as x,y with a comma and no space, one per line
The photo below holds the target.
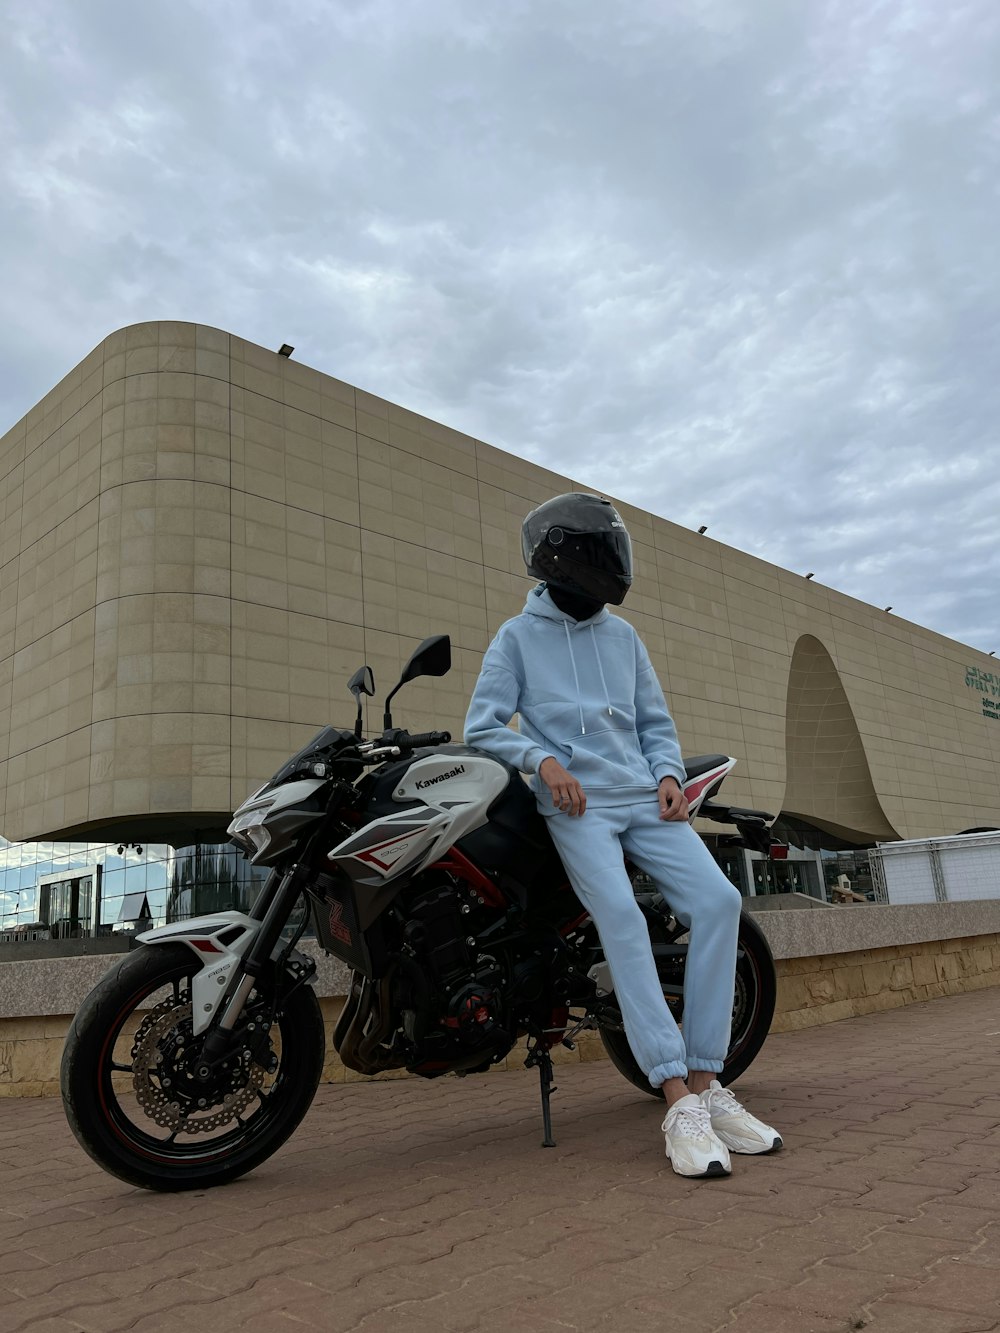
598,739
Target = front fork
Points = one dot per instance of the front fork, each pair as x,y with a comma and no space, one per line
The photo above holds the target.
272,909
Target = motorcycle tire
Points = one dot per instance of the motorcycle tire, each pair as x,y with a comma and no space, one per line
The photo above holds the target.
120,1102
754,998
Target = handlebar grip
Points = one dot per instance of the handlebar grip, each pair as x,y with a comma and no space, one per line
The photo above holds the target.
422,738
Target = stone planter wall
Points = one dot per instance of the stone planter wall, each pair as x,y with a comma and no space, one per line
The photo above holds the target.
831,965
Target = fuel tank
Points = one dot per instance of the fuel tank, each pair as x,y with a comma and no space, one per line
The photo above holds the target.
513,846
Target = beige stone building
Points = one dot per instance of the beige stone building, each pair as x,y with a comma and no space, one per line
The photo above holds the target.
201,540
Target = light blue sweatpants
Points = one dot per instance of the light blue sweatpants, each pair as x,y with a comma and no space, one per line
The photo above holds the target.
698,894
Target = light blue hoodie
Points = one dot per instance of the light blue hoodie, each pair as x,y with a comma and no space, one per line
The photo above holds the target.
586,694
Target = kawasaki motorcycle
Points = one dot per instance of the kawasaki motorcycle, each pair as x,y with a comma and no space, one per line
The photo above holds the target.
425,867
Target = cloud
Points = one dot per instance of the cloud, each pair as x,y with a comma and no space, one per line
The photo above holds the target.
734,264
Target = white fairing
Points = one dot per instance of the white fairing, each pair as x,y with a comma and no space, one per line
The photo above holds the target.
269,801
201,935
249,828
456,791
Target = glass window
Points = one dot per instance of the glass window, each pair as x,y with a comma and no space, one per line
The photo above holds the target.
733,865
762,879
156,875
112,895
28,875
85,902
59,916
135,877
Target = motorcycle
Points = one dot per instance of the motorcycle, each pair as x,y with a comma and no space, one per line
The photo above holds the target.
426,867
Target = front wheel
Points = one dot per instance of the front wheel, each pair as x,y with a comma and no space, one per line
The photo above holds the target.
128,1075
754,998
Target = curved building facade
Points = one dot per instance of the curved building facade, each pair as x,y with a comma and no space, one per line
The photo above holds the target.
201,541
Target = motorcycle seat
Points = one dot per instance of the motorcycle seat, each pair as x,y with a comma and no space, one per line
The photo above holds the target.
703,763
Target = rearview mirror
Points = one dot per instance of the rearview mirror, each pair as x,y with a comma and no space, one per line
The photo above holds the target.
432,658
362,682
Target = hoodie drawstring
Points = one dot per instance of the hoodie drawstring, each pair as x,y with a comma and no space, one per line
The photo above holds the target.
576,675
600,667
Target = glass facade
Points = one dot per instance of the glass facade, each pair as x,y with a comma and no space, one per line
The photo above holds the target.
206,878
787,876
805,860
66,905
60,890
855,866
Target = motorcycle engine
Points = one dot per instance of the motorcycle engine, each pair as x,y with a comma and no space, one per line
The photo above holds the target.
452,996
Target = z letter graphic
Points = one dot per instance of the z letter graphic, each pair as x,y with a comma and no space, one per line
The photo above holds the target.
338,927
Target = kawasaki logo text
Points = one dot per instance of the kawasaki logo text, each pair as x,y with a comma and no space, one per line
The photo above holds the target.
441,777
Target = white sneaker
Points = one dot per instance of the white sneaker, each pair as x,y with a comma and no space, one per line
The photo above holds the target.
734,1125
693,1149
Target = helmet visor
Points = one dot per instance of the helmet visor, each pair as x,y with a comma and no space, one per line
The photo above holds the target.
608,552
597,564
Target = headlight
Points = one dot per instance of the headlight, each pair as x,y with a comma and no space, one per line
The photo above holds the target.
259,837
248,830
243,842
248,819
253,838
248,815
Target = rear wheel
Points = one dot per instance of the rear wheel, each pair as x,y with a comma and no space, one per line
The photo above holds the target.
754,997
130,1090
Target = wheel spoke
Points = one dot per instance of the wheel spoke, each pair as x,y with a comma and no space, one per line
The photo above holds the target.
118,1068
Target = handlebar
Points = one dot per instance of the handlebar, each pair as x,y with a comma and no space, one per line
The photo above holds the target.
396,742
422,738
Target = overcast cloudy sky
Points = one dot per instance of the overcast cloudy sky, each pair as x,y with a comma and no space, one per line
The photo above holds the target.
735,262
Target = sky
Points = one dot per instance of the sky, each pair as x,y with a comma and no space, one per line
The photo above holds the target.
733,263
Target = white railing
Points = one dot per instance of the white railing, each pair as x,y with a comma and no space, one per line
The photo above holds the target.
942,870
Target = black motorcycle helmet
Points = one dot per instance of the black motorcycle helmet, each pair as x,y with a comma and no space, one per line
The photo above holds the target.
579,543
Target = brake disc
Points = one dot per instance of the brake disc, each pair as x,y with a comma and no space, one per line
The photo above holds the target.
156,1070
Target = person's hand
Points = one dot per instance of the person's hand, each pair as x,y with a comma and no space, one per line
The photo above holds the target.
673,802
567,794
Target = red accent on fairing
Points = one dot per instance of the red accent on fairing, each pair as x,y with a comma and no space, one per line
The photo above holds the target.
368,855
694,790
338,927
205,946
456,863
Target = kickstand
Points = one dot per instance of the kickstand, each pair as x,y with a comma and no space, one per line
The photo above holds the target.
539,1056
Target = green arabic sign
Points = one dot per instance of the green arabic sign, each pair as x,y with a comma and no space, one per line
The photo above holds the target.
988,685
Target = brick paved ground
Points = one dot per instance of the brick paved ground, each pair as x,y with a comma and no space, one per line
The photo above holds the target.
430,1206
